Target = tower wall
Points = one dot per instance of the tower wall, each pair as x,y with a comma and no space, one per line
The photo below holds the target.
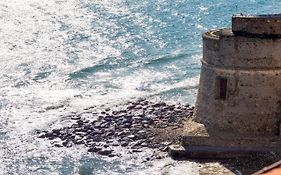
240,84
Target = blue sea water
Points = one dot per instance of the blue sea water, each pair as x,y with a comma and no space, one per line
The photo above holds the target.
59,56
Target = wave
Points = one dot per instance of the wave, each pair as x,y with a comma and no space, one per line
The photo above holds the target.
83,73
166,59
111,63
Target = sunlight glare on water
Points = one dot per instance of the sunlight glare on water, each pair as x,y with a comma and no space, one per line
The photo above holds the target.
60,56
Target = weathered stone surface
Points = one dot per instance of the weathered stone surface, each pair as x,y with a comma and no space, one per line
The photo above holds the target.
230,87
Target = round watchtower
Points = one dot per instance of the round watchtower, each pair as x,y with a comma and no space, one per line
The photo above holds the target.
240,81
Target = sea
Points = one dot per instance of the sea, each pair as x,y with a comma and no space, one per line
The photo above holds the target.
60,56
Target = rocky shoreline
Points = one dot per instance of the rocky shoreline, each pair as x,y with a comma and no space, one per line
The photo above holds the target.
137,125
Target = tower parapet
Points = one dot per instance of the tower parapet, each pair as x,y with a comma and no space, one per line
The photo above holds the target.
257,25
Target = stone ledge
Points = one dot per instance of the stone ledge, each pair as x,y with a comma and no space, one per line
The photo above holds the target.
198,143
207,152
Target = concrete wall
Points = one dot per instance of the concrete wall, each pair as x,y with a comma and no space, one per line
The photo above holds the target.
259,24
252,68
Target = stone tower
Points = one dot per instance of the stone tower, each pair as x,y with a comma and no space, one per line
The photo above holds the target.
240,81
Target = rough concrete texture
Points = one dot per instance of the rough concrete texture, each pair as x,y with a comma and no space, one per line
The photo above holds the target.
258,24
240,83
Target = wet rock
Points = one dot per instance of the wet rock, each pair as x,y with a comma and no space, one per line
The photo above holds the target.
105,152
42,135
124,144
115,112
95,149
80,133
136,143
110,133
137,118
130,107
136,150
145,122
164,149
141,132
120,133
97,124
138,107
108,118
145,125
131,136
144,144
96,138
58,145
115,143
78,142
75,117
104,125
67,144
128,126
112,155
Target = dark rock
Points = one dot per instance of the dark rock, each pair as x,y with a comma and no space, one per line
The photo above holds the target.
96,138
145,122
158,157
89,143
52,137
130,107
78,142
137,118
138,107
110,133
80,133
105,145
115,144
144,144
136,150
75,117
164,149
42,135
104,125
145,125
124,144
105,152
136,143
111,155
94,149
49,134
127,127
98,124
141,132
67,144
58,145
120,133
108,118
115,112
